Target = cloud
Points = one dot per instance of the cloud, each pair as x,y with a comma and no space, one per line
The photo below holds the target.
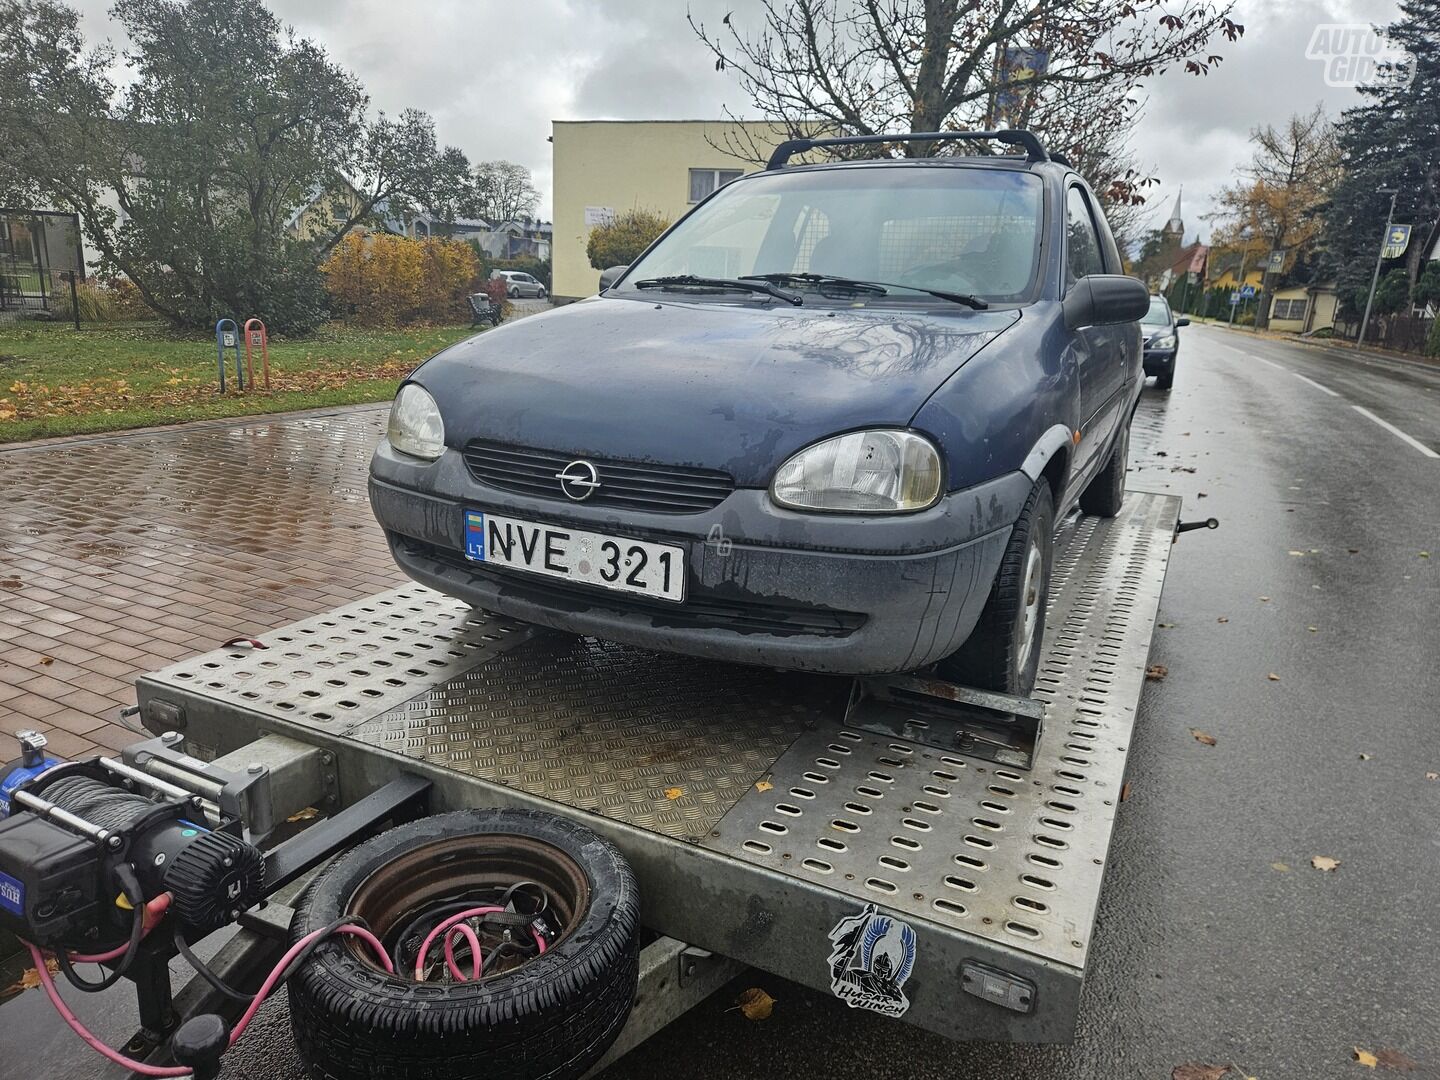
495,74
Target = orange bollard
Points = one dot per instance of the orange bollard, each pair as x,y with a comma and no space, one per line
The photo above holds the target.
257,336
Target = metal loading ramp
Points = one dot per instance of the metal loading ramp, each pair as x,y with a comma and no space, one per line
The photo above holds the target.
755,820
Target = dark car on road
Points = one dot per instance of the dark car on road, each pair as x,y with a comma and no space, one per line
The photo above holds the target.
829,421
1162,341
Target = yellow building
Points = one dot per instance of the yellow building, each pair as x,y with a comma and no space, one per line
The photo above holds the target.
1303,308
604,167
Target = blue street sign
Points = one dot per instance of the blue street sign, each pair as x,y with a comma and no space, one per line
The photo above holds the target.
1247,291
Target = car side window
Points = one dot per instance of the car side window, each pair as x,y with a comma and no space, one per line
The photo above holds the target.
1082,244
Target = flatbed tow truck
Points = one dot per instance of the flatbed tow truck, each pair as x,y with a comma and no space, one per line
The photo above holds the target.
765,814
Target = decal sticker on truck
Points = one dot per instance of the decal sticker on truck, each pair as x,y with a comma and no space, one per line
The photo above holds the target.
872,957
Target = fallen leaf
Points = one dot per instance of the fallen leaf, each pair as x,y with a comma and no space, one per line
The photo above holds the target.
1273,677
1313,629
1203,737
1364,757
1432,776
1424,554
1264,599
1353,551
1198,1071
10,583
1284,868
673,793
1125,792
303,815
1324,862
46,661
1156,672
755,1004
763,785
1394,1059
1222,619
1364,1057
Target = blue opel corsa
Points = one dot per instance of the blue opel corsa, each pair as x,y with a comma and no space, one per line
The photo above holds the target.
829,421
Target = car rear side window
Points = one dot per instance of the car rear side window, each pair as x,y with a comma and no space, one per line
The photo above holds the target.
1082,244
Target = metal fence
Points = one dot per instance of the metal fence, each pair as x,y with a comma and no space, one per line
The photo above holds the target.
1404,333
41,262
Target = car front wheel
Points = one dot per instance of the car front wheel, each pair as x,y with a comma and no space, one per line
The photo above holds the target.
1003,652
514,293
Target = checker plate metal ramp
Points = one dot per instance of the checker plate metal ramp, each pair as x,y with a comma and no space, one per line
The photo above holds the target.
1002,854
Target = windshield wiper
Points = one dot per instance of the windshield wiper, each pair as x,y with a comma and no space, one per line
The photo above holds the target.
691,281
877,288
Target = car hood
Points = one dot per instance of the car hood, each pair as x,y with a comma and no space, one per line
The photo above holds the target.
732,386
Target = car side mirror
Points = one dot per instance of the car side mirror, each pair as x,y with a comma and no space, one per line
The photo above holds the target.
1104,300
1182,322
610,275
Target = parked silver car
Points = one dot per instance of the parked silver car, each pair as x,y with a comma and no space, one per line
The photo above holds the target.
518,283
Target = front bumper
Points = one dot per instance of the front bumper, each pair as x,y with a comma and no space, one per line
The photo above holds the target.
765,585
1159,361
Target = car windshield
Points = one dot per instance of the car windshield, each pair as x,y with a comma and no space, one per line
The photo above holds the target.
973,231
1159,313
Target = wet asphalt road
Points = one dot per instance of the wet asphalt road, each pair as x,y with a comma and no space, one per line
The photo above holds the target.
1217,941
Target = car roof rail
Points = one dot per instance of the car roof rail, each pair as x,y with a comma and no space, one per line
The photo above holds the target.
1034,149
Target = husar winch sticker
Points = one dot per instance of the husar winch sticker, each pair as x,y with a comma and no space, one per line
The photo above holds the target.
872,957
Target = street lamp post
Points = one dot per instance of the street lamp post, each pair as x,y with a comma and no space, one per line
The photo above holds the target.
1375,280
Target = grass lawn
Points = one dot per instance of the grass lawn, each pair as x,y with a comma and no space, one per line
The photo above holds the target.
55,380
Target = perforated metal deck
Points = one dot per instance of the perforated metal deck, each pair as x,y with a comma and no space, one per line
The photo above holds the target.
741,781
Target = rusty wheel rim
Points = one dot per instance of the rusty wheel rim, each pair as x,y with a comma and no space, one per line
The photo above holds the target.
459,867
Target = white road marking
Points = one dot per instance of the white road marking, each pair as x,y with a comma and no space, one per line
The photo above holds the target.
1277,367
1312,382
1416,443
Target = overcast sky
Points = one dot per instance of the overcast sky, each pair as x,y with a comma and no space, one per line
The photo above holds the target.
494,73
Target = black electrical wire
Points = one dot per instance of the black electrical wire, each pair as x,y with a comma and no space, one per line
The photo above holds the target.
130,888
204,971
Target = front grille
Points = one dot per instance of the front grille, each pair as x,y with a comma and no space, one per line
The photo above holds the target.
699,612
663,489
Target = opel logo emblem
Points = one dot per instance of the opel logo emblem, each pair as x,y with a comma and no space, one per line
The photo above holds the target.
578,480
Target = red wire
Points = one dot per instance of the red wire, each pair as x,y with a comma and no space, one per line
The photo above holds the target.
153,910
476,960
265,990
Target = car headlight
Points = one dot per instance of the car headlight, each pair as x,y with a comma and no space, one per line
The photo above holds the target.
1164,341
883,472
415,425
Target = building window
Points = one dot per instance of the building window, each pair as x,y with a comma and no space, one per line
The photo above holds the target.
703,182
1292,310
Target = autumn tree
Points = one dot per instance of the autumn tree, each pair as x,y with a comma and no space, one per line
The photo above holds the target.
620,242
1073,72
504,191
1281,194
187,169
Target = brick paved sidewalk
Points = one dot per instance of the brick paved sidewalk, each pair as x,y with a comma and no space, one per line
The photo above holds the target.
121,554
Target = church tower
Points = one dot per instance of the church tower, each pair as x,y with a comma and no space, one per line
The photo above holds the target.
1174,230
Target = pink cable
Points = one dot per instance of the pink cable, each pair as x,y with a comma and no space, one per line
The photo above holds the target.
265,989
290,954
84,1033
476,960
153,910
539,940
444,925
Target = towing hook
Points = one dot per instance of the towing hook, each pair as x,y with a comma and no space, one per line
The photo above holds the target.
1190,526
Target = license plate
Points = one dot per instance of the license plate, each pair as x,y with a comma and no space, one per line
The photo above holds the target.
611,562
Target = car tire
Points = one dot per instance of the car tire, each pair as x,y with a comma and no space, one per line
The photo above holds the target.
550,1018
1105,494
514,292
541,294
1003,651
1165,380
